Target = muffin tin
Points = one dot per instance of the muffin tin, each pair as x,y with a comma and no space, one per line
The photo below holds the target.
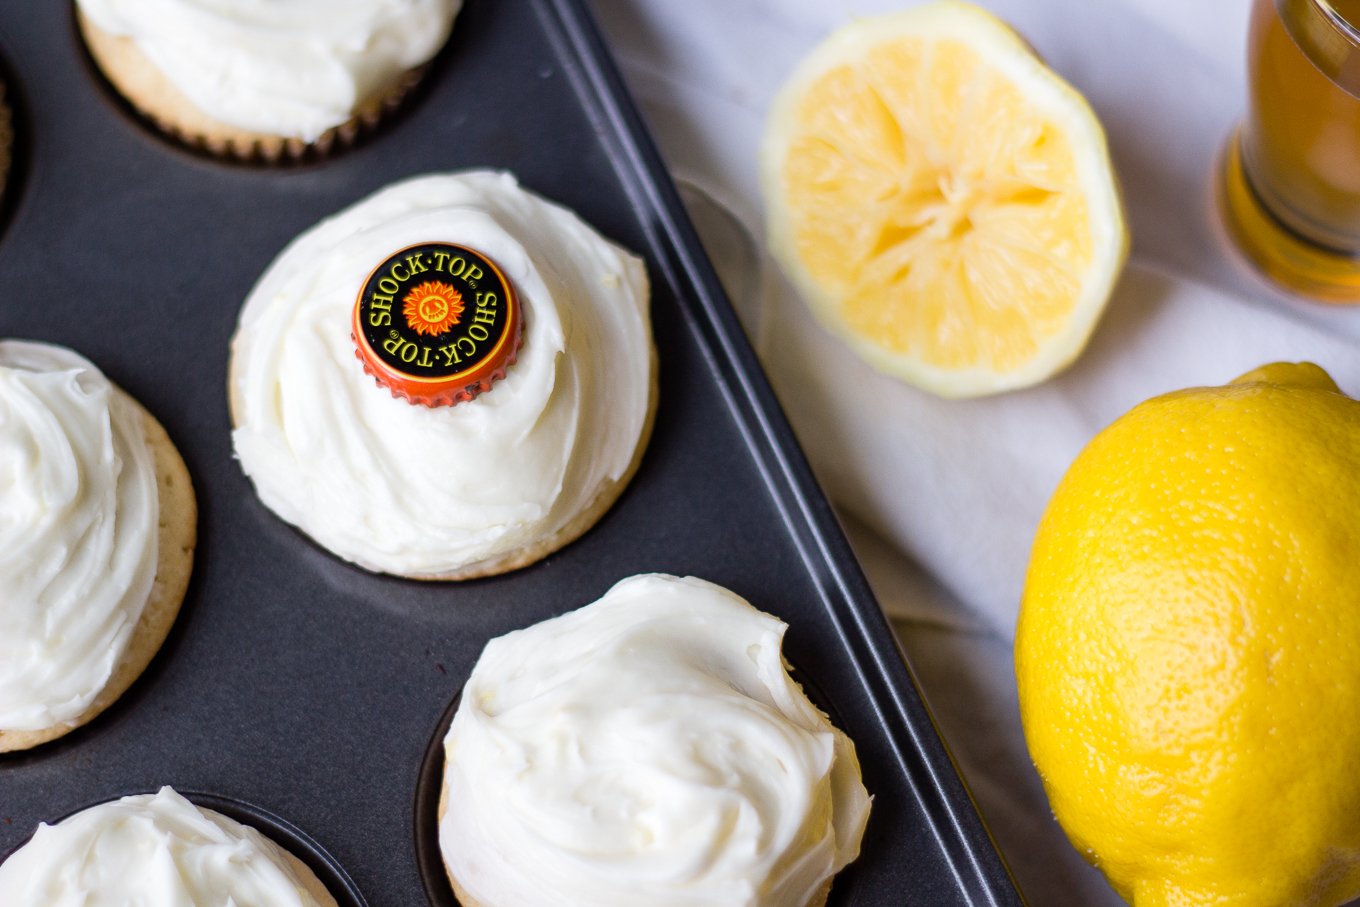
296,686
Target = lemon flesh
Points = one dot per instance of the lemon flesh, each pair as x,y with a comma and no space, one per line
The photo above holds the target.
943,200
1188,648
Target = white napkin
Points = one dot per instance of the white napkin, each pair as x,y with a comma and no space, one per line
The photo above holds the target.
957,487
960,485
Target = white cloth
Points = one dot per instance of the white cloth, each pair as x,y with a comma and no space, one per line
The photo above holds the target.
958,487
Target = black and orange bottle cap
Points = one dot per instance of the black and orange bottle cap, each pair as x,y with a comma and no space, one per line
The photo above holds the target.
437,324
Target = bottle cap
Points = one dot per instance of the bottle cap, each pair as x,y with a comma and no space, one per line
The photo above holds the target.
437,324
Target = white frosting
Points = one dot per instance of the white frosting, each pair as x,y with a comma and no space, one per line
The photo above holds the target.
414,490
79,518
649,748
292,68
152,850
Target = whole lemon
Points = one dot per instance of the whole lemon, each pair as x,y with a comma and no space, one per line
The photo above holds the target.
1188,650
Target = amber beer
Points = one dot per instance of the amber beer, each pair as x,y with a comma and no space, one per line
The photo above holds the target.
1291,181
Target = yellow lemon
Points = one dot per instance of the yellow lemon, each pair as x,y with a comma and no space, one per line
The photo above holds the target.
943,200
1188,650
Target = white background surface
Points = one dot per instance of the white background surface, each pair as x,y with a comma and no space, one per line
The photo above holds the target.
941,498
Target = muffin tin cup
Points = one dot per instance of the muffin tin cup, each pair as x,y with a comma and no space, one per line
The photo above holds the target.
281,832
430,785
290,838
295,680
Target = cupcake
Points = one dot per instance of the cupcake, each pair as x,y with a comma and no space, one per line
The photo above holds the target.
649,748
264,80
451,379
97,530
155,850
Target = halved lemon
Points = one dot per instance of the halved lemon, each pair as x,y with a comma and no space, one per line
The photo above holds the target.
943,200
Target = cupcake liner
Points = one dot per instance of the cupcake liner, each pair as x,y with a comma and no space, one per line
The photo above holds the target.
159,103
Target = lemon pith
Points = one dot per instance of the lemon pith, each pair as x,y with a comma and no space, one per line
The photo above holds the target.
1188,649
943,200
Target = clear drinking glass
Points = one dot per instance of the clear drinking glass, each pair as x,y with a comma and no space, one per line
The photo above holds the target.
1290,187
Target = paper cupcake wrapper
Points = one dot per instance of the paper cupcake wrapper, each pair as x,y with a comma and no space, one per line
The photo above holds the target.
158,103
278,150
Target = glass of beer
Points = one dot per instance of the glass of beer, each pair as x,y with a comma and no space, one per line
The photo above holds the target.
1290,182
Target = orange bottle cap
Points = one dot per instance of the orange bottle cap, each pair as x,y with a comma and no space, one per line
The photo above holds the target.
437,324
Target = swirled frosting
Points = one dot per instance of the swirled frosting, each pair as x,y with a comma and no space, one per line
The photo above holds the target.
652,749
79,517
418,491
293,68
151,850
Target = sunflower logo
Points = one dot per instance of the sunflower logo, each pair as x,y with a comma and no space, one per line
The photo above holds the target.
432,307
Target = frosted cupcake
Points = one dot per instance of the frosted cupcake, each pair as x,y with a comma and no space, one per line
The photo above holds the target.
264,78
453,378
155,850
652,749
97,531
